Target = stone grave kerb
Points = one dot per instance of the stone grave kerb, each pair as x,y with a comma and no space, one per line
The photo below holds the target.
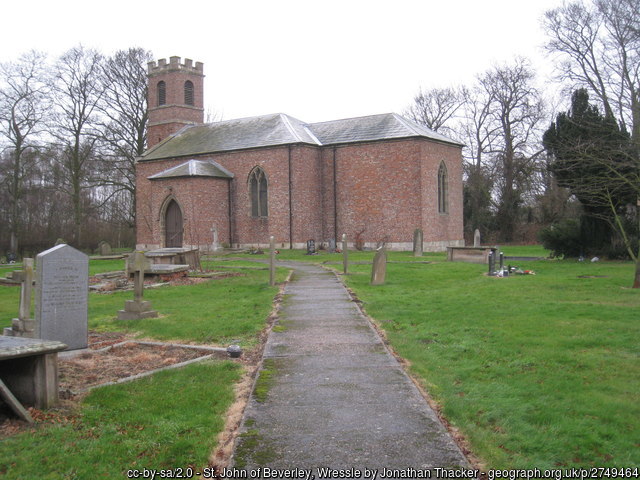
62,294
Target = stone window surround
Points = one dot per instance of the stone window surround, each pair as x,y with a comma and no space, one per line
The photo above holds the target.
443,189
258,193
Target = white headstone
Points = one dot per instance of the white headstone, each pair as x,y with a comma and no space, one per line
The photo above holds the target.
476,238
62,291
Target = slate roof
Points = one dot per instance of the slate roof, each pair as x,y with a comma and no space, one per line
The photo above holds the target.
194,168
282,129
375,127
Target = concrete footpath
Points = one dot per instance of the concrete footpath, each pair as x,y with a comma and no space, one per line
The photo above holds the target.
330,395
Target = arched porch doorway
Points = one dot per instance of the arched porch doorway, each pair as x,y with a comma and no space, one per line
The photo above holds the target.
173,227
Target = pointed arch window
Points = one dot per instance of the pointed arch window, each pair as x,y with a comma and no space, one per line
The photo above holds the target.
188,92
162,93
258,190
443,189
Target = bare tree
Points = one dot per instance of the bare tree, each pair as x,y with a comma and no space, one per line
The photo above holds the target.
435,108
515,113
124,125
77,90
599,47
24,98
479,134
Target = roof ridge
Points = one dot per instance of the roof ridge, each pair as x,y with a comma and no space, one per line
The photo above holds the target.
408,124
353,118
292,130
311,134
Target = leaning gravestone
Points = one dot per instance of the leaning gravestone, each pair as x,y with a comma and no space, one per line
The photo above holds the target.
417,242
62,291
379,267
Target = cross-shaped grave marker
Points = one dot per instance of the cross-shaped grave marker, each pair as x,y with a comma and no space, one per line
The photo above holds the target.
23,326
137,308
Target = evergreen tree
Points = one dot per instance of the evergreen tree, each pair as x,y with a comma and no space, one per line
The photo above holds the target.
590,156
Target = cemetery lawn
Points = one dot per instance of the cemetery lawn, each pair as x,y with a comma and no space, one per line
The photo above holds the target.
217,311
168,420
534,370
165,421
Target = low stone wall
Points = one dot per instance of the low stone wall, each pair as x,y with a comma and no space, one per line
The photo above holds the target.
470,254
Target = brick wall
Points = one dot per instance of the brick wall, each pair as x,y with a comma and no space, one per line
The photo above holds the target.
174,114
385,190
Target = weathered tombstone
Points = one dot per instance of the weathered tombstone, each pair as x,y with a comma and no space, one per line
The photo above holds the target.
345,254
476,238
417,242
379,267
215,246
332,245
311,247
272,261
62,291
104,248
137,308
492,264
23,326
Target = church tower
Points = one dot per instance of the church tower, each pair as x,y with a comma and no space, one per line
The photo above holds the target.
175,97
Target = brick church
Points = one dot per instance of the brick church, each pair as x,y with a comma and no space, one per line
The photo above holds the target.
237,182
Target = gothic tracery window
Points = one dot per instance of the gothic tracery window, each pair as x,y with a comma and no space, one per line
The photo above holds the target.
258,192
443,187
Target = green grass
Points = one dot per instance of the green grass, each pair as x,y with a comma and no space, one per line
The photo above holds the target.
165,421
214,312
101,266
168,420
536,371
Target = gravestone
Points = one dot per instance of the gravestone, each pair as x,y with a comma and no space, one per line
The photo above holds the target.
417,242
215,246
492,264
476,238
332,245
379,267
62,291
137,308
311,247
23,326
345,254
104,248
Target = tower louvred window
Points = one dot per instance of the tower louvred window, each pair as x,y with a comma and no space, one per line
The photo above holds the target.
162,93
188,92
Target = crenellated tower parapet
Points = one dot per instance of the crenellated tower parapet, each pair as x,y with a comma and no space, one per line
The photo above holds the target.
175,97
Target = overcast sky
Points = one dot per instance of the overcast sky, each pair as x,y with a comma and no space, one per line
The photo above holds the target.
315,60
